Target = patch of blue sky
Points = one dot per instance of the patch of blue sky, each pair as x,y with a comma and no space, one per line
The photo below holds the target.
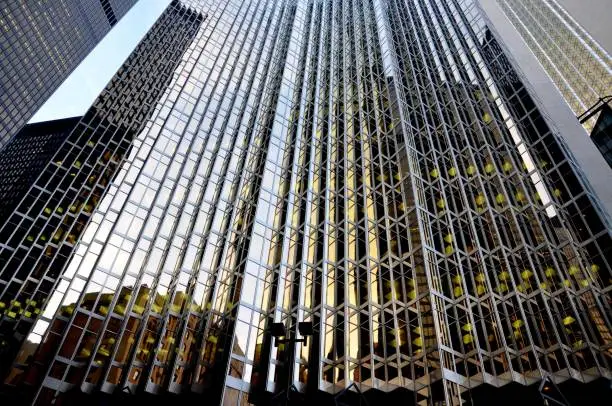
87,81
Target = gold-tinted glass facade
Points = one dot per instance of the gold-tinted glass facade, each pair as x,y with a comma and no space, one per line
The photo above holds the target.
375,167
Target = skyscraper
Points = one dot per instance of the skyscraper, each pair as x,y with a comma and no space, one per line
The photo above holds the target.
580,67
575,61
25,156
39,236
374,167
41,44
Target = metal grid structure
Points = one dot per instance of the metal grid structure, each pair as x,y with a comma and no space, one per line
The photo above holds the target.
41,44
578,66
25,156
375,167
39,237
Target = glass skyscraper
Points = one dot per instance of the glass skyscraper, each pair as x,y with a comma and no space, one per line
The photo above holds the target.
39,236
26,155
41,43
374,167
579,67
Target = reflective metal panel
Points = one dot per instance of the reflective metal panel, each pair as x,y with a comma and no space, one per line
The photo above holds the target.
375,167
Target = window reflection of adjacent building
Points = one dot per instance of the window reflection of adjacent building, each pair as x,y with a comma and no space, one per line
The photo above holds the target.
68,189
402,202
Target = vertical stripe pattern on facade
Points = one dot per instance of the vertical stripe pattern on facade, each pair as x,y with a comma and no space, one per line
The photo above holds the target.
41,43
578,66
375,167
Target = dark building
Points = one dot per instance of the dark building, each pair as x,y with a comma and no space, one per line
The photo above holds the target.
41,43
39,236
602,133
25,156
374,168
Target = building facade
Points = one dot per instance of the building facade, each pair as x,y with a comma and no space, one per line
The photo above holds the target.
374,167
41,44
24,158
67,180
580,68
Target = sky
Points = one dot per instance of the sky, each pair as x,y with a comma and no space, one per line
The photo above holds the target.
81,88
